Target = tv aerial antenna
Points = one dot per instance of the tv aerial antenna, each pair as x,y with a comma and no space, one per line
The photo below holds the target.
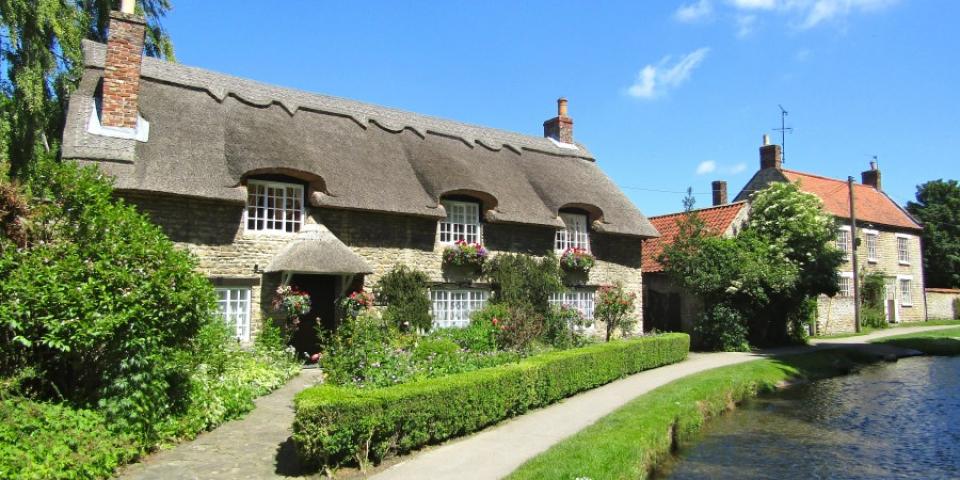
784,130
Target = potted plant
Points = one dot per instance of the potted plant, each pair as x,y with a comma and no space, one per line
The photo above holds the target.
463,254
291,303
356,302
577,260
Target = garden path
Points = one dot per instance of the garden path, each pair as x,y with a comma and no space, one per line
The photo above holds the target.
496,452
253,447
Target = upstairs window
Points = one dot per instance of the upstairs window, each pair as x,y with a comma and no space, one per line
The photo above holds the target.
903,250
274,207
574,234
843,241
234,306
462,222
872,238
452,308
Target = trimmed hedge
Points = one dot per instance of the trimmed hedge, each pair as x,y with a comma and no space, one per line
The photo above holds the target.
335,425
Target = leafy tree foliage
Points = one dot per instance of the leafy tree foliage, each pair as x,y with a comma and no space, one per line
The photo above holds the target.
99,303
404,290
938,209
41,61
757,286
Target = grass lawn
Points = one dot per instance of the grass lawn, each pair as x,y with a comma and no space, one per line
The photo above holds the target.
629,442
940,342
865,330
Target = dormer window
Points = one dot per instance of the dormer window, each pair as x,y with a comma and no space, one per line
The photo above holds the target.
574,234
273,207
462,222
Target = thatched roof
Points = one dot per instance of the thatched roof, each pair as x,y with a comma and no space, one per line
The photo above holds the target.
317,250
209,131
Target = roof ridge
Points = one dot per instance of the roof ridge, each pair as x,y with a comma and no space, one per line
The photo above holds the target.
713,207
292,99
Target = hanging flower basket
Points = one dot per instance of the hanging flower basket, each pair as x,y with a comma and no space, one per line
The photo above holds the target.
356,302
463,254
577,260
291,302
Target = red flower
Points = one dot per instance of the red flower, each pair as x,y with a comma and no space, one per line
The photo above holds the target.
495,321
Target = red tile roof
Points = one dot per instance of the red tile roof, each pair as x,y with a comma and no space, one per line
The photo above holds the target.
872,205
717,220
943,290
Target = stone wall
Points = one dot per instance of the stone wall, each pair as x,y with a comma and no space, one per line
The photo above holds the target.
214,233
835,315
940,304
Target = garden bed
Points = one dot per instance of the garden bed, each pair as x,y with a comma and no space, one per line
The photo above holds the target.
336,425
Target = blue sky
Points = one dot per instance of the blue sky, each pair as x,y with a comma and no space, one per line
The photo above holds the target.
666,94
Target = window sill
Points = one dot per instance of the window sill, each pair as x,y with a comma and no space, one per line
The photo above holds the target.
907,305
904,264
872,260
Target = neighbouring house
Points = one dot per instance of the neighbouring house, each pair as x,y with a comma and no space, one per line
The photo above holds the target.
667,306
270,186
888,240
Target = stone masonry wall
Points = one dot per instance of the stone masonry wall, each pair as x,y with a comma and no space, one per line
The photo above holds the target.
214,233
940,304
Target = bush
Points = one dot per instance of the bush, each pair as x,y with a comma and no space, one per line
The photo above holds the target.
336,425
615,309
956,308
429,348
100,302
722,328
563,327
873,317
42,440
404,291
523,280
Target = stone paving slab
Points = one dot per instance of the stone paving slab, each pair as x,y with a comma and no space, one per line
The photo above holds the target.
253,447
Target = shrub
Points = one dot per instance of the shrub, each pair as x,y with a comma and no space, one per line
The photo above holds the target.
721,327
563,327
101,305
429,348
43,440
362,353
615,308
873,317
956,308
335,425
404,291
523,280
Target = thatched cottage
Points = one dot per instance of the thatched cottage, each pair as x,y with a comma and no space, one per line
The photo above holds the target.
269,185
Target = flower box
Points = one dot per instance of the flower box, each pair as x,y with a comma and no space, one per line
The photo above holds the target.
577,260
463,254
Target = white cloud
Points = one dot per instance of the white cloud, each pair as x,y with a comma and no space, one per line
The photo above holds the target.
754,4
745,25
821,11
694,12
802,55
737,168
706,166
654,80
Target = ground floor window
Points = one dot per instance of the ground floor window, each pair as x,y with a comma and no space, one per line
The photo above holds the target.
845,284
452,307
580,299
906,291
234,306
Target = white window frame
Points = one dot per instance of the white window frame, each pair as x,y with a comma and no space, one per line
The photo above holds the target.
903,257
845,292
581,299
452,307
289,216
233,303
575,234
873,248
462,222
843,241
905,300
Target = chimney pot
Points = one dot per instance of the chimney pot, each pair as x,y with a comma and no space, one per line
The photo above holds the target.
719,193
559,128
127,6
766,139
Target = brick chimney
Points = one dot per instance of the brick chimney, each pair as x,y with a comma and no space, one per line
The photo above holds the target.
559,128
121,75
719,193
771,156
871,177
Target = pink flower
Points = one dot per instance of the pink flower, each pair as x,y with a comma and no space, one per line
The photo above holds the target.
495,320
315,358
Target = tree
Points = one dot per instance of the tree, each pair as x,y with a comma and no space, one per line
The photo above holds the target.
41,62
938,209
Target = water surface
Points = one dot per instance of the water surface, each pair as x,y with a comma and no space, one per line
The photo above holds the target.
898,420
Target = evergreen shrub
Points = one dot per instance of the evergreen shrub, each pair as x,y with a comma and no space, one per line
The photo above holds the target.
336,425
404,291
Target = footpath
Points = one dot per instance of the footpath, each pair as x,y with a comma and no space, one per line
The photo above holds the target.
258,445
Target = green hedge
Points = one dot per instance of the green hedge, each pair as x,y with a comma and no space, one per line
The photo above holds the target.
336,425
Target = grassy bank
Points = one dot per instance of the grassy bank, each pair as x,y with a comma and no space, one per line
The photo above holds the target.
629,442
939,342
